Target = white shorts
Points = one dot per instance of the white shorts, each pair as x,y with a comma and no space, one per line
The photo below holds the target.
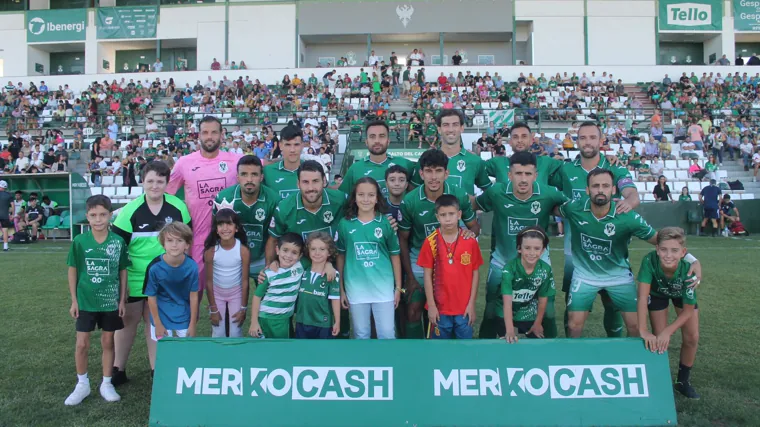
176,333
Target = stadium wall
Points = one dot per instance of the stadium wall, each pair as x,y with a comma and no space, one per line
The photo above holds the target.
13,49
557,36
621,32
263,36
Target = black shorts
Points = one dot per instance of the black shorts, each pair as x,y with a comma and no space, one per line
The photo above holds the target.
657,303
521,327
6,223
108,321
711,213
130,300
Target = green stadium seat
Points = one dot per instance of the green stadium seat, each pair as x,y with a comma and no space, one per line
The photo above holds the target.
65,222
65,214
53,222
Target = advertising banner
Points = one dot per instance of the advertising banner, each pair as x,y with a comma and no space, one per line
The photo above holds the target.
747,15
501,117
247,382
60,25
691,15
127,22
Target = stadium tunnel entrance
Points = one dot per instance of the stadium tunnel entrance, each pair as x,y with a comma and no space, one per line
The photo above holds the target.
140,55
64,58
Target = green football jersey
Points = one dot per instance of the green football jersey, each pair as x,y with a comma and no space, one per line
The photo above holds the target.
571,178
282,180
418,213
291,216
600,245
546,167
675,287
525,289
366,167
466,170
279,291
255,218
511,215
98,266
356,124
368,275
314,299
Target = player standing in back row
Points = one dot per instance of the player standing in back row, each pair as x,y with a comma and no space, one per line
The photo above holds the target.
204,174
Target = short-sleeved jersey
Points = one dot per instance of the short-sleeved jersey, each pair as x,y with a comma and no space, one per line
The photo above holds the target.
571,178
6,199
171,286
600,245
279,291
661,286
98,266
376,171
418,213
202,179
711,196
452,282
280,179
139,228
255,218
511,215
525,289
546,167
466,170
368,275
314,296
291,216
18,206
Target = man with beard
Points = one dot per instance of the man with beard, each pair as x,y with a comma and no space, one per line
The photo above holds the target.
571,180
520,138
281,176
519,203
466,170
254,204
203,174
377,161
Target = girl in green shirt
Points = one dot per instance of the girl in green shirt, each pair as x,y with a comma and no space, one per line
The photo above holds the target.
711,167
685,196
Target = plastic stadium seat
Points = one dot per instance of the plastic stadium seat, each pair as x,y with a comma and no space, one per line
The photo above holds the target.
64,214
122,192
53,222
682,174
65,222
683,164
96,190
641,187
671,164
669,174
649,197
676,187
694,187
107,181
118,180
748,196
109,191
650,186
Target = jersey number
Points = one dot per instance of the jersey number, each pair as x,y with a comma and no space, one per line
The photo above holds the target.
595,257
369,264
97,279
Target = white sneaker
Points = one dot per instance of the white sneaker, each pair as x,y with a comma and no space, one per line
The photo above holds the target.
81,391
109,393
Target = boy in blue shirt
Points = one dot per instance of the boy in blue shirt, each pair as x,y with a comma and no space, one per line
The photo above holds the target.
171,284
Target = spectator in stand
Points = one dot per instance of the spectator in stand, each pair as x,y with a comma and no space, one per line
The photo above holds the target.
662,191
651,148
656,166
696,135
696,171
685,196
95,172
59,165
456,59
746,149
724,61
756,163
215,65
712,168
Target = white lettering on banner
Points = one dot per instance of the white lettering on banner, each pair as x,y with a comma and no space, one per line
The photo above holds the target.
303,383
560,382
689,14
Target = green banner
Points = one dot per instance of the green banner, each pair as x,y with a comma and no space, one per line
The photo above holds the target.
500,117
127,22
409,153
59,25
747,15
691,15
247,382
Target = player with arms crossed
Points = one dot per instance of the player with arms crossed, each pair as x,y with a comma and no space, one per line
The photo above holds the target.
518,203
466,170
571,180
418,221
283,175
203,174
663,277
600,238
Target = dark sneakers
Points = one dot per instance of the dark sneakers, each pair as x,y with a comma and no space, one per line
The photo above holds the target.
687,390
118,377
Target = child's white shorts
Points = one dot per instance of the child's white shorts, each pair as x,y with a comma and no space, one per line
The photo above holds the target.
177,333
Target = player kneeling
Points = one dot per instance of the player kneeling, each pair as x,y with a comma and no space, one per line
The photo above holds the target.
526,285
663,277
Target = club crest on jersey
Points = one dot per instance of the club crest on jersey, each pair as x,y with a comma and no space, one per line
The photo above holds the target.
535,207
260,214
690,293
378,232
461,166
465,259
112,248
609,229
328,217
168,220
223,168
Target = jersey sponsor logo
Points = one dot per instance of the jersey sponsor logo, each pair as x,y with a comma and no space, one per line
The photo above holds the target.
367,173
352,231
300,221
454,180
378,232
328,230
465,259
558,382
423,213
516,225
609,229
582,222
461,166
97,266
87,251
328,217
223,167
573,179
208,188
279,180
254,233
300,383
535,207
430,227
285,193
365,251
595,245
260,214
523,295
195,168
508,206
142,226
578,193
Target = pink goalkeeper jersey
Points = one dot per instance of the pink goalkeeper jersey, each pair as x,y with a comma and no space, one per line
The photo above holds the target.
202,179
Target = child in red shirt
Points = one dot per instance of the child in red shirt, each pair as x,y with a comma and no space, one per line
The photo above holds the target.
451,265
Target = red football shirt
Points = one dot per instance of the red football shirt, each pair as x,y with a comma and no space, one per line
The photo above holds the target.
452,283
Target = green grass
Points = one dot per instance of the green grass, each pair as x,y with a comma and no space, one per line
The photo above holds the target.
37,371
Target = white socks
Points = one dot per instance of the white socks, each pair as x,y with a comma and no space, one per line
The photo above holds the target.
83,379
106,380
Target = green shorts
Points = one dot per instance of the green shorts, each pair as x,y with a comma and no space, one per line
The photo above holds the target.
275,327
582,296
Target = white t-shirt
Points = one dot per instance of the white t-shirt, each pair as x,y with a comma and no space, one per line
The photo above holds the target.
415,57
373,60
756,158
151,127
746,148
